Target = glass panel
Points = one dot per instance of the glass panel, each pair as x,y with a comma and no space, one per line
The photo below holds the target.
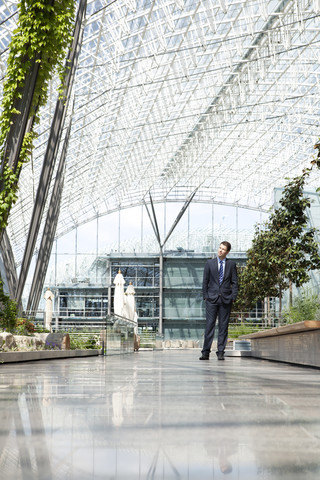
119,336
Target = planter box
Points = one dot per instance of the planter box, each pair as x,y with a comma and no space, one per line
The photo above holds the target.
9,357
297,343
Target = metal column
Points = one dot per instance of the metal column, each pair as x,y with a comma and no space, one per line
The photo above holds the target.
8,263
48,234
51,152
154,224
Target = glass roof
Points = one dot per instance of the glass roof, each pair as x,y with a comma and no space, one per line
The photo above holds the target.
169,97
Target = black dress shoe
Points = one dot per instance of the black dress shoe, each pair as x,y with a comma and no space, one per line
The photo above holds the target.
220,355
204,357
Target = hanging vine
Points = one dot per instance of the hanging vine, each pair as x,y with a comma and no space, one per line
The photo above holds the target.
41,37
43,33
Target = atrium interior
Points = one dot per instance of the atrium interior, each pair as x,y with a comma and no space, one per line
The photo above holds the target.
178,124
210,104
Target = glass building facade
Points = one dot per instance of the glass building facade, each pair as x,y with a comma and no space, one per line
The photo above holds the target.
150,125
82,300
183,314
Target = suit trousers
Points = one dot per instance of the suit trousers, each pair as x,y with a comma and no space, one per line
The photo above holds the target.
213,310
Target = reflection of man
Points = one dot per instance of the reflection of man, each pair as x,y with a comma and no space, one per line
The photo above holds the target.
223,458
48,296
117,403
219,288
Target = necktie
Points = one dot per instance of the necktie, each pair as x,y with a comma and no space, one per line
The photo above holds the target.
221,272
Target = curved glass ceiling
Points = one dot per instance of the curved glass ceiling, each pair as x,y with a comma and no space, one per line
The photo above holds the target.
218,96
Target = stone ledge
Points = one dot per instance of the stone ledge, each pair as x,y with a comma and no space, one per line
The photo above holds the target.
9,341
305,326
9,357
297,343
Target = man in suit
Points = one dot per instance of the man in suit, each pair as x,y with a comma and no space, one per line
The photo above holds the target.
219,288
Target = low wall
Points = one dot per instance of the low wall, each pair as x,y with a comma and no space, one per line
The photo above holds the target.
297,343
9,357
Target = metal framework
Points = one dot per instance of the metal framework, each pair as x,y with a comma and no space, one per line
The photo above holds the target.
48,235
9,264
169,97
50,161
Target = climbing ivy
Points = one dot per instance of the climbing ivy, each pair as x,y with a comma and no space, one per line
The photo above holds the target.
41,38
8,311
42,35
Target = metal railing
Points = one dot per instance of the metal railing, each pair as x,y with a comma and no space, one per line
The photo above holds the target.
61,322
116,335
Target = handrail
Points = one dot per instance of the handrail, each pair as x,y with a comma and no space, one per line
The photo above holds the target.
119,317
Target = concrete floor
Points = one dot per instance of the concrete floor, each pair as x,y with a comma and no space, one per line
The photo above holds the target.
161,414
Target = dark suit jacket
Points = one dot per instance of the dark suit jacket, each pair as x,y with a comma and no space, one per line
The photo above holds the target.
228,289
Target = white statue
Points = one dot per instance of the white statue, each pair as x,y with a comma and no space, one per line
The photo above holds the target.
118,294
130,311
130,303
48,296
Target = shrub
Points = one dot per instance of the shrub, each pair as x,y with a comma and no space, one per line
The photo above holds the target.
236,331
8,314
305,307
91,342
24,327
40,329
78,342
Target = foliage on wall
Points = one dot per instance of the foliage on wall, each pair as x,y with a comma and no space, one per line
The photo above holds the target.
41,38
8,311
43,33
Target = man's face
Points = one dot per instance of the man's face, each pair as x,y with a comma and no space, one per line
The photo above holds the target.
222,251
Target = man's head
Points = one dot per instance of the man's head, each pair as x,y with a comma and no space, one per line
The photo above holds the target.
223,250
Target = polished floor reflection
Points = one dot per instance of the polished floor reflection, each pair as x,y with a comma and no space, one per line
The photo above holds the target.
159,415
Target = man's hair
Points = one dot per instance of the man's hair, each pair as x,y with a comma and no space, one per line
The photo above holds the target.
226,244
